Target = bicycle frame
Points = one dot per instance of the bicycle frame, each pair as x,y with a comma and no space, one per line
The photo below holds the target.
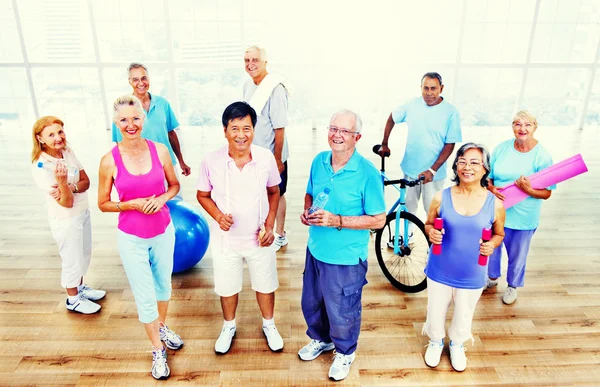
400,204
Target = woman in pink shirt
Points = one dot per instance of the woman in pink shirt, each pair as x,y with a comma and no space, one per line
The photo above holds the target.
138,169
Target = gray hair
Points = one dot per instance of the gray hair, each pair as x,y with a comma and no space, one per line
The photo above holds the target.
261,51
485,155
346,112
127,100
432,75
135,65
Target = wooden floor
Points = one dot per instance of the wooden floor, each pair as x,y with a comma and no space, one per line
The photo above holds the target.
549,337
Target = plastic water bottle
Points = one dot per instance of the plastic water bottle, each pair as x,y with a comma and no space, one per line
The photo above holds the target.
50,166
320,201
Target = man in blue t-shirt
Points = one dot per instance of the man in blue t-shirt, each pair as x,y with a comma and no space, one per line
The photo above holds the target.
336,256
433,130
160,121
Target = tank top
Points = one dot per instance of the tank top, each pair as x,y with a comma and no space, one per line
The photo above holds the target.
457,266
131,187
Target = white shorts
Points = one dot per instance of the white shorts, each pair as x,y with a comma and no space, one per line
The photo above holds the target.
228,268
74,239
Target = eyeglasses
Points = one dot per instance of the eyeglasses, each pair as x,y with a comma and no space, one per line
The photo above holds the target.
137,80
343,131
472,164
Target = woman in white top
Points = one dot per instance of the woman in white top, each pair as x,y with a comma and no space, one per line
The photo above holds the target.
58,173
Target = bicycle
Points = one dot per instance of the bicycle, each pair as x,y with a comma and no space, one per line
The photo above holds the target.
402,247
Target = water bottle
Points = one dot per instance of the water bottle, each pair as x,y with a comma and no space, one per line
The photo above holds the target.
320,201
50,166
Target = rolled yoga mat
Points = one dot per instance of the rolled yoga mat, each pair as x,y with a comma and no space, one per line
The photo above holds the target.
554,174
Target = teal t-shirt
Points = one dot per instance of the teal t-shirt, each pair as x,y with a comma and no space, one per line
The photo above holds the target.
356,189
429,129
507,165
160,120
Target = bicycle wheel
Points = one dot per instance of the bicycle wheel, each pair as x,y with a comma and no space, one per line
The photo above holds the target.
405,269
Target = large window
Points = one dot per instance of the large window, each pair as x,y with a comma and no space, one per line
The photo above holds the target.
68,57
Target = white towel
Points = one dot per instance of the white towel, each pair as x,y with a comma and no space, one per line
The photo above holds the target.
265,89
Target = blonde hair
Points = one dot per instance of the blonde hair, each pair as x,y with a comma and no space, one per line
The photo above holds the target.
525,115
38,128
127,100
261,51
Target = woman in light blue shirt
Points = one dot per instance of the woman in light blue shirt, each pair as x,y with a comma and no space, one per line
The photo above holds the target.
512,161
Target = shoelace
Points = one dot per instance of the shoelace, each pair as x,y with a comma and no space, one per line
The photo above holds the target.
314,345
464,349
159,358
169,333
339,359
433,343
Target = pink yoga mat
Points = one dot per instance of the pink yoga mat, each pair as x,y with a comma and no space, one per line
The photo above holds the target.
554,174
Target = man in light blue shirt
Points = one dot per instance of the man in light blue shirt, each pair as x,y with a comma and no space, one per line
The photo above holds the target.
433,130
338,243
160,121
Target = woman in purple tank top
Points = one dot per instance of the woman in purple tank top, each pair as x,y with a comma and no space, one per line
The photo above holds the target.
138,168
456,274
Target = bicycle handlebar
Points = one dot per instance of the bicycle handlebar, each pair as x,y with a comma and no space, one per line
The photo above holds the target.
405,183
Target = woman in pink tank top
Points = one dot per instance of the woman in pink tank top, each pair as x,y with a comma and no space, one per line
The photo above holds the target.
138,168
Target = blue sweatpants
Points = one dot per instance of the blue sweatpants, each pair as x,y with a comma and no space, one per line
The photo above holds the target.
331,302
517,247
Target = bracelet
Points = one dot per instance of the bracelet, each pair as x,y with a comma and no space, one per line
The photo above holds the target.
76,188
432,171
340,227
119,208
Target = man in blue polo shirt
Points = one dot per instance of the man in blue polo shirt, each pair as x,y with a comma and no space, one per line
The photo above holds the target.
336,256
160,121
433,129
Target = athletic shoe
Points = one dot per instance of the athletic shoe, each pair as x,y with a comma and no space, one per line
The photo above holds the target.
280,241
491,283
223,343
160,368
274,339
312,350
458,359
510,295
171,339
83,305
92,294
341,366
434,353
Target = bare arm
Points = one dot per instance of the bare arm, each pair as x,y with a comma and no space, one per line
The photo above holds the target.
65,198
273,196
170,176
362,222
225,220
435,236
443,156
389,125
174,141
278,148
524,185
495,190
83,184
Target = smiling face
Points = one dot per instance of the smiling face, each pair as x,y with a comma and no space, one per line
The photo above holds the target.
130,122
338,139
523,129
239,134
139,81
53,138
470,167
255,66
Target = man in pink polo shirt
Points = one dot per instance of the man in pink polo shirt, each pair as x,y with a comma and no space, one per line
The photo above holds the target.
238,188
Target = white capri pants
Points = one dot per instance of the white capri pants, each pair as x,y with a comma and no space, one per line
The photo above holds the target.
439,297
228,268
74,239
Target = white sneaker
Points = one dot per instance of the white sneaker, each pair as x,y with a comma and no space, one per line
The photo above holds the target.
458,359
314,349
274,339
160,368
510,295
491,283
223,343
280,241
434,353
83,305
171,339
341,366
92,294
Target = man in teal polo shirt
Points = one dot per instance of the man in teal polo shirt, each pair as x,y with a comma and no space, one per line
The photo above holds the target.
336,257
160,121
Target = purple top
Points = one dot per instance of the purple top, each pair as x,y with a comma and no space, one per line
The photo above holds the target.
131,187
457,266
